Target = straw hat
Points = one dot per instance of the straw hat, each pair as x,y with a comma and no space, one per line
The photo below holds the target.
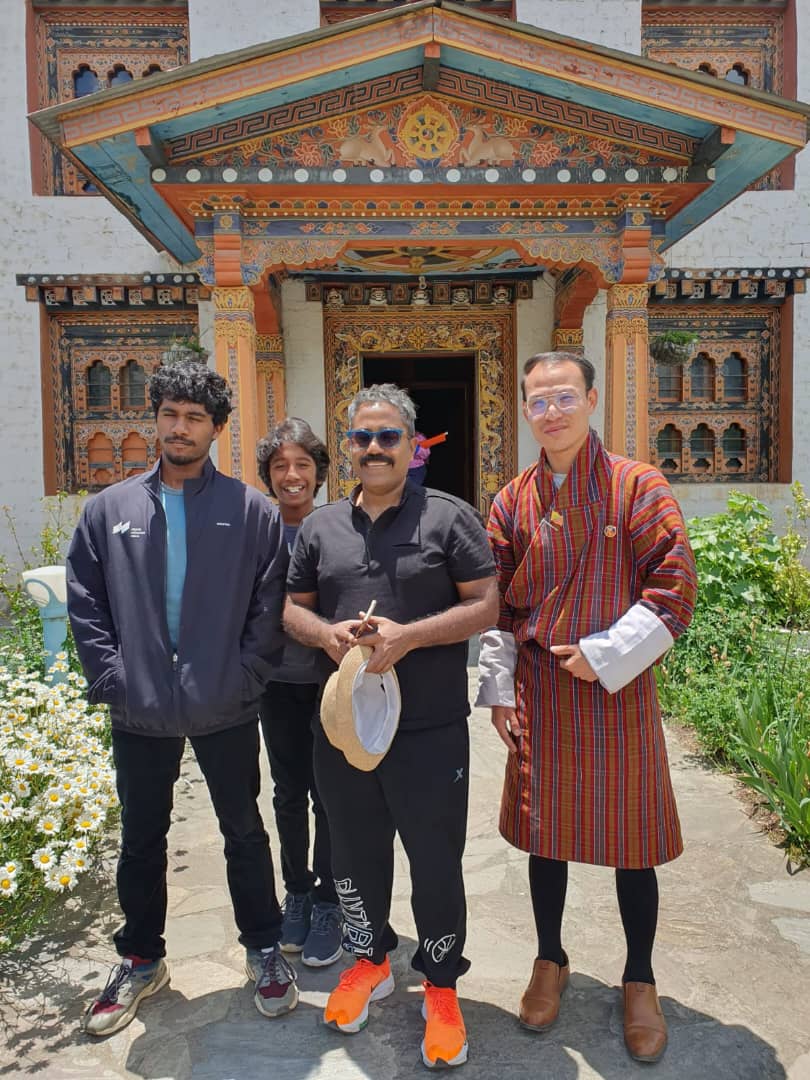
360,711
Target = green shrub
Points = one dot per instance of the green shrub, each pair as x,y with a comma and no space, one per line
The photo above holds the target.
21,629
736,554
753,595
770,747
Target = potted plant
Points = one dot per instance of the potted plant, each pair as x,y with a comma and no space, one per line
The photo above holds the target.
673,347
183,350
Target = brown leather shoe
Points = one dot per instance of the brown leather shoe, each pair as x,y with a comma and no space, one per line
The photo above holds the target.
540,1004
645,1029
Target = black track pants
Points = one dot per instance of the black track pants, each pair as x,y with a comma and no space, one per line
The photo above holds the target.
420,791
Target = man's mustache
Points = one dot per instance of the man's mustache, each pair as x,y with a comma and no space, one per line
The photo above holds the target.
369,459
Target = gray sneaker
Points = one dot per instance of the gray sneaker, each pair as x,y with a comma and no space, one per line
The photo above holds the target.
324,944
295,927
274,976
127,986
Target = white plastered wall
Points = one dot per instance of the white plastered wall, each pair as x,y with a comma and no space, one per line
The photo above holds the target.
218,26
616,24
534,321
759,229
303,359
40,235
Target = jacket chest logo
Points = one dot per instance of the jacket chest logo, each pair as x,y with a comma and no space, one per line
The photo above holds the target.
125,528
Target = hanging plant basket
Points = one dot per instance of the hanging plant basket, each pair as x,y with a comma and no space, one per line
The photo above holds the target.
673,348
185,351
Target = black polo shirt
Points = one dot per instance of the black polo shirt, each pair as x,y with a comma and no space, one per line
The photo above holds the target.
408,560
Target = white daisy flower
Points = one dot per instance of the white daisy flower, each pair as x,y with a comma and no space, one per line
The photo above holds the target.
9,869
60,879
18,759
49,825
8,886
75,861
43,858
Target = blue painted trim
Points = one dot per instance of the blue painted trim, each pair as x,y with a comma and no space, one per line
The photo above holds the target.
484,230
741,165
120,166
568,91
231,110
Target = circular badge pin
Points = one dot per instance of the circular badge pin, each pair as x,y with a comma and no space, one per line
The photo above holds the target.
610,531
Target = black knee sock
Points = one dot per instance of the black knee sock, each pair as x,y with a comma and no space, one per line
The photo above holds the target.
637,893
548,880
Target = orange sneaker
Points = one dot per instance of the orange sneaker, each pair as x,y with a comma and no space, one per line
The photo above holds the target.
363,982
445,1041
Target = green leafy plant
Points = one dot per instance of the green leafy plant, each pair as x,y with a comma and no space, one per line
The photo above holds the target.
737,554
184,349
673,346
792,578
21,627
770,746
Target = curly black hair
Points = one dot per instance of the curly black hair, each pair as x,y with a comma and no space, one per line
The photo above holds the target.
193,382
292,430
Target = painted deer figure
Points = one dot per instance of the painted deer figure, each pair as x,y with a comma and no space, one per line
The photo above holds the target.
366,149
487,151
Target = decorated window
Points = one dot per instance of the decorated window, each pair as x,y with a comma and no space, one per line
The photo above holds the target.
133,387
79,50
714,417
99,425
744,46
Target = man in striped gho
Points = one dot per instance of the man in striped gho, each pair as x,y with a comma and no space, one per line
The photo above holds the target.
596,580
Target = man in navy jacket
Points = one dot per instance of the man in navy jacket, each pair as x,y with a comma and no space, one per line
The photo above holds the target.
175,586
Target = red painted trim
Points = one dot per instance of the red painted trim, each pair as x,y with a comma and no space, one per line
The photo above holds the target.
46,364
784,422
35,138
790,61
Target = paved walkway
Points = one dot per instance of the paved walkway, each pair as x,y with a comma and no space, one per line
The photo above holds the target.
732,963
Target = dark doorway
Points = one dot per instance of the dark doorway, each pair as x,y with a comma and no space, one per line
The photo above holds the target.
443,389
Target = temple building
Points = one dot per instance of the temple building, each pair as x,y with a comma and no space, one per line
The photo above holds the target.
327,194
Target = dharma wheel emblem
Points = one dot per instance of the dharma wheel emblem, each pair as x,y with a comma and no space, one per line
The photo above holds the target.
427,131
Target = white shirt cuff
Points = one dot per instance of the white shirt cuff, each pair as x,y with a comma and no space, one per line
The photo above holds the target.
496,669
621,653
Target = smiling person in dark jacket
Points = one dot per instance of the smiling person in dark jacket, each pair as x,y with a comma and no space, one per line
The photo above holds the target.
175,660
293,463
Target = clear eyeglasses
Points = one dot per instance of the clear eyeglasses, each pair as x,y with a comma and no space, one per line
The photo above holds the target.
567,401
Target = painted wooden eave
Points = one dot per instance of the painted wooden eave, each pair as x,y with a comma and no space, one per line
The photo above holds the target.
106,138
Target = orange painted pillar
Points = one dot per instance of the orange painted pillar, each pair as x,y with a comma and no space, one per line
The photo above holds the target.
235,359
627,425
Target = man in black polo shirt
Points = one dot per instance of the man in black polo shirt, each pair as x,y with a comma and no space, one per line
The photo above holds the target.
423,556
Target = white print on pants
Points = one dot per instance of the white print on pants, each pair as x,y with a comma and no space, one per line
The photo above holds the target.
438,951
358,928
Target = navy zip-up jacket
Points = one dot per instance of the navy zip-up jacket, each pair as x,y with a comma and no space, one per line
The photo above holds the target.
230,621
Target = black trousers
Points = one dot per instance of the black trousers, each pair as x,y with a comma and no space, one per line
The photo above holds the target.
418,790
286,712
146,771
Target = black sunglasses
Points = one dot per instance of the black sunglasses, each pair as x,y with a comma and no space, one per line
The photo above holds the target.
386,438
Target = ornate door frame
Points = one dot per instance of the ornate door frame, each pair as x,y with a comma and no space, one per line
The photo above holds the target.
488,332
